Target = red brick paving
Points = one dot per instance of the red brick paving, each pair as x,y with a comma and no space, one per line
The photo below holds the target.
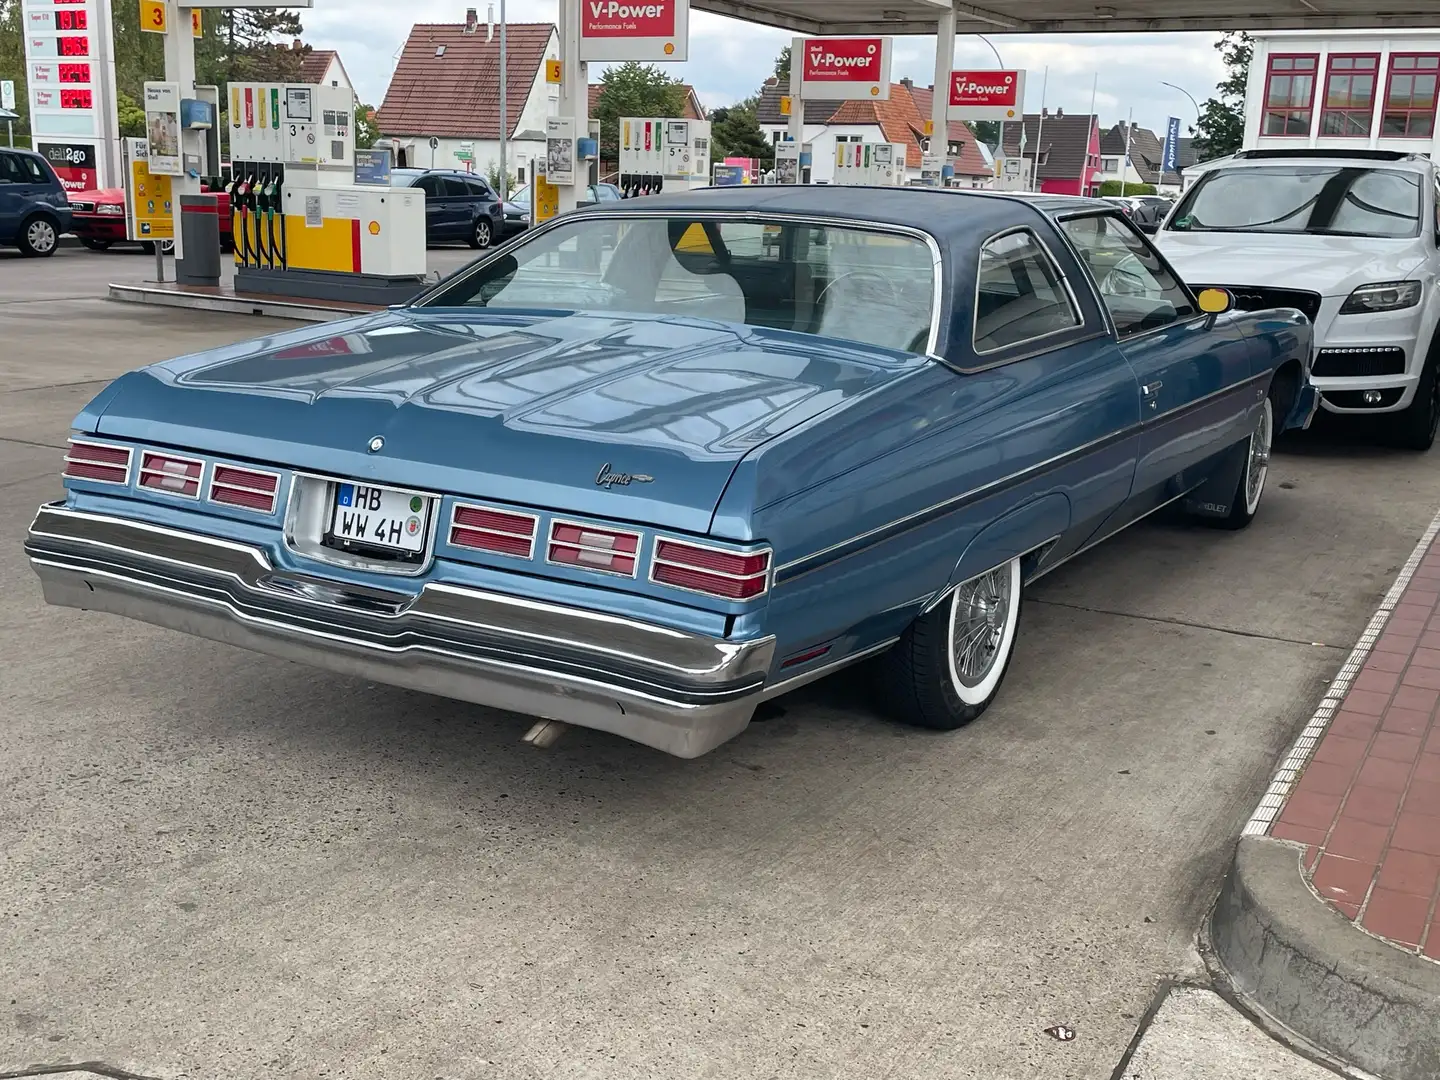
1367,806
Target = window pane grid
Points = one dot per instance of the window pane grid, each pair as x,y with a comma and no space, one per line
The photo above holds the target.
1290,94
1410,96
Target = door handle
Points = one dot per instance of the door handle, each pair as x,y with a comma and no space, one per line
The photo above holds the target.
1150,390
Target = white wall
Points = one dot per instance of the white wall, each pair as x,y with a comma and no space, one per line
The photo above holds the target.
1324,44
335,74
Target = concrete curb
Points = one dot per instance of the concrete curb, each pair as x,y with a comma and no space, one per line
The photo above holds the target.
1314,971
233,305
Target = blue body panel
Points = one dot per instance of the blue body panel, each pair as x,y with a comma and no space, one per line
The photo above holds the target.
877,478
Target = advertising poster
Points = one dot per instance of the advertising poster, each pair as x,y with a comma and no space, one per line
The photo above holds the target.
986,95
560,150
844,69
148,202
162,128
74,164
372,167
643,30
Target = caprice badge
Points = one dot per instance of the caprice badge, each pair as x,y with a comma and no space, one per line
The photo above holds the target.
607,478
377,444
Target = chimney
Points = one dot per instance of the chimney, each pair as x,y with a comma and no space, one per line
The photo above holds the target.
908,83
1044,112
1059,114
297,45
472,20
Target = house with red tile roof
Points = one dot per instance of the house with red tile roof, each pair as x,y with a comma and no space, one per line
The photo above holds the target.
446,90
322,67
899,119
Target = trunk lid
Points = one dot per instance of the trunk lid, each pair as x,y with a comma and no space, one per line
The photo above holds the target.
630,418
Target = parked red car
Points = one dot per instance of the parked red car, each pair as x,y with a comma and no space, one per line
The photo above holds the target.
99,219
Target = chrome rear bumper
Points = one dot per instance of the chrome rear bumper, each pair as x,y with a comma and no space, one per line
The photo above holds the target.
679,692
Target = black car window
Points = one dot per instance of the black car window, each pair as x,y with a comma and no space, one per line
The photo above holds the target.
478,190
456,187
1138,289
1020,294
35,170
10,169
431,185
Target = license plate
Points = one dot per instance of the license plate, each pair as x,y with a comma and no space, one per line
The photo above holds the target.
380,517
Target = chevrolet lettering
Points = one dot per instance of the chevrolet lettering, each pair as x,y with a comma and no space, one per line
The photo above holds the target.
880,414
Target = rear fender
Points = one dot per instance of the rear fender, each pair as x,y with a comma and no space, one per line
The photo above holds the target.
1025,531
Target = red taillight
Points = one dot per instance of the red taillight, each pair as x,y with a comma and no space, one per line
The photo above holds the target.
170,474
504,532
726,574
98,463
611,550
249,489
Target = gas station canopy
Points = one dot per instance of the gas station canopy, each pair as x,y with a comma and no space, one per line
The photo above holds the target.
834,17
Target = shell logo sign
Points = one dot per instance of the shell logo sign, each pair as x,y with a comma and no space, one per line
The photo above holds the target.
847,69
986,95
643,30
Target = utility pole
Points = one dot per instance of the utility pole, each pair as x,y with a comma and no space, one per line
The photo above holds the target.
1125,164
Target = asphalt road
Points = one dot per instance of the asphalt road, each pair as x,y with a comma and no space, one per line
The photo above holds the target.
214,864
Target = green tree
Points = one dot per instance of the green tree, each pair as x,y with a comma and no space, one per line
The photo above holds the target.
782,66
492,175
735,132
633,89
1220,129
12,66
986,131
132,116
1112,187
366,130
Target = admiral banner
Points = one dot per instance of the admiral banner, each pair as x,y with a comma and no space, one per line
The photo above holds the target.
643,30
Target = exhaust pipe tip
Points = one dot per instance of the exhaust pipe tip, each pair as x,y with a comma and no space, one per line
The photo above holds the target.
545,733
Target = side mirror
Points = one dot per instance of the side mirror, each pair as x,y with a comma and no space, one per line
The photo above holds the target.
1215,301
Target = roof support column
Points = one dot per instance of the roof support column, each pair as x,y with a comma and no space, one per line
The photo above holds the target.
795,132
574,95
940,99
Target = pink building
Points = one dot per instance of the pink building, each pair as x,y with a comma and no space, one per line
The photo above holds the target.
1063,150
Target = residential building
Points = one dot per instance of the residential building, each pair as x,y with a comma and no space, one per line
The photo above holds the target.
1146,157
899,119
442,108
322,67
1064,151
1374,89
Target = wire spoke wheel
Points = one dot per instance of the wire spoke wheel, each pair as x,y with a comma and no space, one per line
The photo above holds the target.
982,611
1257,466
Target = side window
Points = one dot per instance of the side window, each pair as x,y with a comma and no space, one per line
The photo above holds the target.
1020,295
454,187
1140,293
431,186
10,170
478,190
35,171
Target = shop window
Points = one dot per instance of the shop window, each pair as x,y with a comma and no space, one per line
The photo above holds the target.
1289,95
1410,96
1349,101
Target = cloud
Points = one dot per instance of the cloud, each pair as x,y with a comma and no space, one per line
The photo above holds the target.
729,59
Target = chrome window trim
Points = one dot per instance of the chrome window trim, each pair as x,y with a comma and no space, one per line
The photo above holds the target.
274,496
200,481
937,262
768,573
457,504
335,557
129,462
639,535
1080,323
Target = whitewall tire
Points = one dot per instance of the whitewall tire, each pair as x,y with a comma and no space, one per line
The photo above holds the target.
948,666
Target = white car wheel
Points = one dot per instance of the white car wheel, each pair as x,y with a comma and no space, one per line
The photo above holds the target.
984,612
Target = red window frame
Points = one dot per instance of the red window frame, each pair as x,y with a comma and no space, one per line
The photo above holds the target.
1349,111
1410,113
1309,108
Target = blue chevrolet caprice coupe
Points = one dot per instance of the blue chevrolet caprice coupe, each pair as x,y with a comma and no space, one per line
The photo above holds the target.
659,461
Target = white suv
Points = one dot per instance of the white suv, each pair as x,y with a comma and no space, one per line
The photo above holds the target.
1349,238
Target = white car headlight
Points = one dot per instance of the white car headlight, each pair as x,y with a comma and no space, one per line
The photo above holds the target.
1381,296
110,208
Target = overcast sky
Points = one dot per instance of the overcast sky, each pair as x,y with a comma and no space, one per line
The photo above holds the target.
729,59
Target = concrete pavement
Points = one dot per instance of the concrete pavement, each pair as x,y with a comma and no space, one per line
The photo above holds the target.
220,865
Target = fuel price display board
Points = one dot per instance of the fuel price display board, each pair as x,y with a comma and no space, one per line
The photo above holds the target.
67,51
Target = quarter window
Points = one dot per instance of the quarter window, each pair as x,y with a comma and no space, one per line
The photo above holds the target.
1349,96
1289,95
10,172
1020,295
1138,290
1410,96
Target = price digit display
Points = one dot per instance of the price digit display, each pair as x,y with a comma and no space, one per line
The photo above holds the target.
70,20
75,99
74,73
73,46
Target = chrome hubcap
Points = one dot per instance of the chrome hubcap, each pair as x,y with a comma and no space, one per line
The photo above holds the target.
41,236
982,608
1259,463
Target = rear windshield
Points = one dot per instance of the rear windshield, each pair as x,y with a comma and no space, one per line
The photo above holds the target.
1327,200
864,285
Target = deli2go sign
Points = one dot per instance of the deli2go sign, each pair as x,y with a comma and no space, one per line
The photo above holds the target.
643,30
845,69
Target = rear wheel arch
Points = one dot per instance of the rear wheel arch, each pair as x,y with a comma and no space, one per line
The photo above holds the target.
1026,531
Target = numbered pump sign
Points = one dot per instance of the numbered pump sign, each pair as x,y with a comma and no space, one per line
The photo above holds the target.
843,69
643,30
